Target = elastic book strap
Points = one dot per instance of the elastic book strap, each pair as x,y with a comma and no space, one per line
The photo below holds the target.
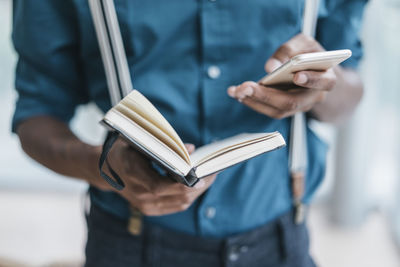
117,182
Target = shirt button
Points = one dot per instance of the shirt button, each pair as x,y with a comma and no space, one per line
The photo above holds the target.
210,212
214,72
235,251
233,256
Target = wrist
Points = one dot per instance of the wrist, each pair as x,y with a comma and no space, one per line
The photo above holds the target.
90,170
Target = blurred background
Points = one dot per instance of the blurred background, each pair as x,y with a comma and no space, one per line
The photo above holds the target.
355,218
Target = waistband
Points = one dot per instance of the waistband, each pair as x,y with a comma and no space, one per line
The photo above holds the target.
281,238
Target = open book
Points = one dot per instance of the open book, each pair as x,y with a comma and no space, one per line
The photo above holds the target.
139,122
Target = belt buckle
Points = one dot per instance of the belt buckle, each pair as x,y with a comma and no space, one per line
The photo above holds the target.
135,223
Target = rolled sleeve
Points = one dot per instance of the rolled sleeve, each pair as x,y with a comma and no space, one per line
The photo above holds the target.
48,79
339,26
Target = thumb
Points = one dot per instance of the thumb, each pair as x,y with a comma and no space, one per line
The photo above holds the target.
272,64
190,148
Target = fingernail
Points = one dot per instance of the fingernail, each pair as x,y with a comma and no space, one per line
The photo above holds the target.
200,184
301,78
273,64
231,91
248,91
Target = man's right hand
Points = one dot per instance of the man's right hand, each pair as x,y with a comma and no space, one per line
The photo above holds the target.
145,189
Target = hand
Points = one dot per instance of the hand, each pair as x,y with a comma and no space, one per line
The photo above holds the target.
145,189
309,87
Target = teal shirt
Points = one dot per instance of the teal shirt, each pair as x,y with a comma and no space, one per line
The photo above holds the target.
183,55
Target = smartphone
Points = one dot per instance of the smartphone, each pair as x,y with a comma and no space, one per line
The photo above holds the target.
282,78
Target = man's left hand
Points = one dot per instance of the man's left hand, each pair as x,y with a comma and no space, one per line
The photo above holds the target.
309,87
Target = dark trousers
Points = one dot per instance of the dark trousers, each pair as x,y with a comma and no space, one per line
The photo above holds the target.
279,243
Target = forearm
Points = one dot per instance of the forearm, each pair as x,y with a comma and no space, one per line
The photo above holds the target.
51,143
341,101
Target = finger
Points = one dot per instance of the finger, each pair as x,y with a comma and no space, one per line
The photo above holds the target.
161,205
166,204
274,112
149,211
208,180
164,211
144,180
272,64
266,109
171,188
239,92
321,80
249,89
295,46
190,148
131,165
295,101
261,93
138,194
145,176
284,101
160,208
175,189
282,104
232,91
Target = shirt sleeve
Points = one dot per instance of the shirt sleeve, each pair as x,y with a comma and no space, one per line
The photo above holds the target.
48,77
339,25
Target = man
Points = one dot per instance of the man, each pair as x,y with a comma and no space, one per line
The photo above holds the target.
184,56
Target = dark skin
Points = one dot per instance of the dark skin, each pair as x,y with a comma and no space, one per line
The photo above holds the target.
51,143
330,96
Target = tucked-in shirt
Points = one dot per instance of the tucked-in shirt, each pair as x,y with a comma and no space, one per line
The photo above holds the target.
182,55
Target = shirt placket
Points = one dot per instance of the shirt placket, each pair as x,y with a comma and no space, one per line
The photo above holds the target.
214,31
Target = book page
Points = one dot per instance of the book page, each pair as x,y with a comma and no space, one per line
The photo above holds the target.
143,107
239,154
152,129
212,150
141,138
